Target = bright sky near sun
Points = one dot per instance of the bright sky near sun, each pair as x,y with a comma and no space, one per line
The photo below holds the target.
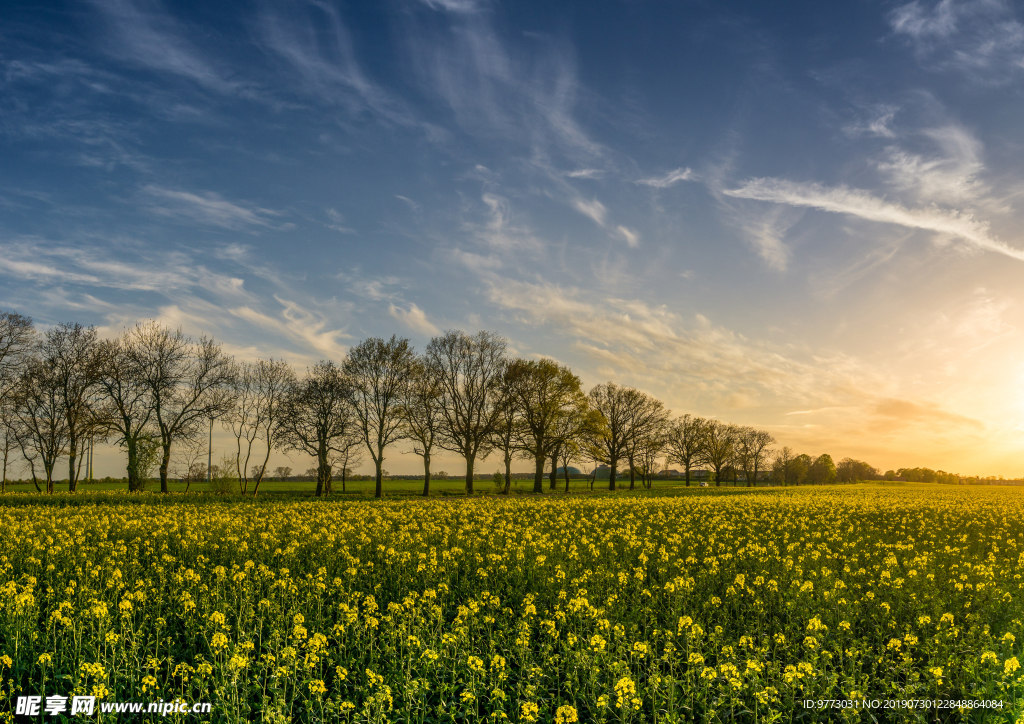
801,216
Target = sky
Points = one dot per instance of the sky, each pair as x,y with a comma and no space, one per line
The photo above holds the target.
804,217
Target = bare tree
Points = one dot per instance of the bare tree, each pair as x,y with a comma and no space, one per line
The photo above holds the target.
647,451
571,451
317,418
506,433
187,383
188,464
379,372
40,424
17,338
570,432
684,442
260,388
469,370
752,450
69,350
28,455
646,421
346,460
244,420
421,414
123,408
7,435
718,445
608,444
282,472
546,393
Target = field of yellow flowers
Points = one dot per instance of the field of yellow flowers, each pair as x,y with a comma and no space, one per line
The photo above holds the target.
703,606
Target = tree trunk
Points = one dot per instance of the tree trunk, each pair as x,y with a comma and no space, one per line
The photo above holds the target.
611,474
344,475
3,480
687,467
263,468
632,474
565,472
134,484
508,474
164,464
469,474
321,477
718,478
553,477
379,490
538,476
426,475
72,456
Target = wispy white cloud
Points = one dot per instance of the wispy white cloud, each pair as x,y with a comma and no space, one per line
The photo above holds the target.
338,222
525,94
949,177
315,43
766,232
499,233
302,324
453,6
173,286
855,202
631,237
475,262
585,173
47,261
877,124
663,351
594,209
982,38
721,370
669,179
207,208
146,33
375,289
411,204
919,21
414,318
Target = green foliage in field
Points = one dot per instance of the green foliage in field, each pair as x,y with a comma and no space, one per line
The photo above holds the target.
721,607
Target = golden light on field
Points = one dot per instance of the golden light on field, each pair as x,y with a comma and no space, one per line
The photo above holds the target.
602,609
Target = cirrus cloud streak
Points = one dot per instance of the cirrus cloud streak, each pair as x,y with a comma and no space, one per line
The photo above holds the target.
854,202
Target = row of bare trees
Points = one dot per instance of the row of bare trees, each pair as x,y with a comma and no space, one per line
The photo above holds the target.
153,391
148,390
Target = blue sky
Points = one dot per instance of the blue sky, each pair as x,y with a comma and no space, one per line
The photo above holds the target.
804,217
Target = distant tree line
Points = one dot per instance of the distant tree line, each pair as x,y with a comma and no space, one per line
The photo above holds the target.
922,475
157,393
